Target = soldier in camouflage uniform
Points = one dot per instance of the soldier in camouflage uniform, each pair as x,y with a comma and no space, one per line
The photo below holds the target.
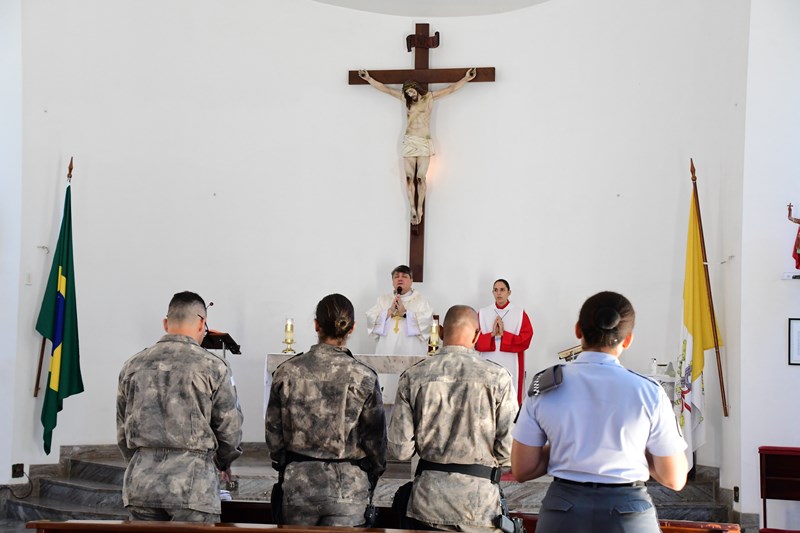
178,421
326,427
454,408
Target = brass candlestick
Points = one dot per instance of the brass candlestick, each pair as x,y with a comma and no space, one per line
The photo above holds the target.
288,332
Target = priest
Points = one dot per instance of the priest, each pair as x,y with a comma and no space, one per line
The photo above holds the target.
401,321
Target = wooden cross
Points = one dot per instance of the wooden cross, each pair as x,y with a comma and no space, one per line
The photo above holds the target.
421,42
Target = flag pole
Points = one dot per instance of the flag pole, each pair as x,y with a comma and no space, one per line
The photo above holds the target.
44,340
39,369
708,288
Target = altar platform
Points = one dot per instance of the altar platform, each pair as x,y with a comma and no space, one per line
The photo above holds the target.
255,476
87,484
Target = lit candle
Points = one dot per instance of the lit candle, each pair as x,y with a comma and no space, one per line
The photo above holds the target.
289,329
435,332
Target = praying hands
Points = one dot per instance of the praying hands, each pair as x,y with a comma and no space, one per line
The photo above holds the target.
498,328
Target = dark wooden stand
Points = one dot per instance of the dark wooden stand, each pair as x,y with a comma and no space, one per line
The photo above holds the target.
780,475
219,340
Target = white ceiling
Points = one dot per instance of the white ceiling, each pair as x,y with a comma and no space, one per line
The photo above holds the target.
434,8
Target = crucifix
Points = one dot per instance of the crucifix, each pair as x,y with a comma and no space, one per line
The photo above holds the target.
417,143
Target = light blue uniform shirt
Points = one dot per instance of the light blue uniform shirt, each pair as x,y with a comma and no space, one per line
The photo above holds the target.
599,422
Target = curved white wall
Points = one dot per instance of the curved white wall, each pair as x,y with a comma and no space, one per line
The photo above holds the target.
10,217
218,148
772,166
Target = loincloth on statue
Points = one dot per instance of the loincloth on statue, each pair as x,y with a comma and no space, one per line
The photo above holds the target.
414,146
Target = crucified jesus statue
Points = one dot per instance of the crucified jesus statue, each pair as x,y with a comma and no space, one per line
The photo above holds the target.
796,249
417,142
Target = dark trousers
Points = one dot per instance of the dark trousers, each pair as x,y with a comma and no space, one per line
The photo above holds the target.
582,509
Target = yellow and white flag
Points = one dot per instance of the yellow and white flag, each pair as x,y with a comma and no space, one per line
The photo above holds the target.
697,336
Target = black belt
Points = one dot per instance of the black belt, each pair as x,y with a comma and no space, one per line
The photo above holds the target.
600,485
481,471
294,457
196,452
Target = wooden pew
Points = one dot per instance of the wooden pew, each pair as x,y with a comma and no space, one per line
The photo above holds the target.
124,526
121,526
253,516
688,526
242,511
258,511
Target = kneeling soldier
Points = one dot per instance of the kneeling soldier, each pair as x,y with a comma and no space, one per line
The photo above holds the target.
456,411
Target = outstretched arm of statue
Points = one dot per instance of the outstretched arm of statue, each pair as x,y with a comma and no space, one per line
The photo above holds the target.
795,220
364,75
450,89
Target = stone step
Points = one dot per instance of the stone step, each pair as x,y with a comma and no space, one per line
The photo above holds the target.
93,490
82,492
97,471
43,508
700,512
694,491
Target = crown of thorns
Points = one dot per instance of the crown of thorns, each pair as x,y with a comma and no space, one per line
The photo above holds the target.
411,84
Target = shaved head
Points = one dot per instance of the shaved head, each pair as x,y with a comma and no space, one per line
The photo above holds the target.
186,315
460,326
186,307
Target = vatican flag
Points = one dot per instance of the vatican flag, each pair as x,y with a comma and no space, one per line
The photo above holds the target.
697,336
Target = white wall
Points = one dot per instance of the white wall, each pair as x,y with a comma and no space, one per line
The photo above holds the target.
772,166
10,217
218,148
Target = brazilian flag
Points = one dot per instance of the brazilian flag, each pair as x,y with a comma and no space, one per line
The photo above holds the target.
58,321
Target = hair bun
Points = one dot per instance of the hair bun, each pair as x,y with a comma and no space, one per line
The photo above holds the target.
342,325
607,318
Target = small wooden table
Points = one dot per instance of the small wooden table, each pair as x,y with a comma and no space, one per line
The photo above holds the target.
780,474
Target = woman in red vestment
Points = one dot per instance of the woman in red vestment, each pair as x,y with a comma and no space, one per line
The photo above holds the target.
506,333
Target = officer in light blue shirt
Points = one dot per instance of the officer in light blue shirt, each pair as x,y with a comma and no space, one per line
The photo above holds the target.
601,433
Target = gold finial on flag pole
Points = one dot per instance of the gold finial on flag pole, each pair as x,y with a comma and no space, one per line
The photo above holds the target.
691,168
69,169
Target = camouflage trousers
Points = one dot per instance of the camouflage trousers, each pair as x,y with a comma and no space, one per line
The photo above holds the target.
325,494
324,514
167,515
419,525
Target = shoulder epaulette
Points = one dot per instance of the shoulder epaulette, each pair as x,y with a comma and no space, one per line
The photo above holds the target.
415,364
362,363
648,378
496,363
289,359
546,380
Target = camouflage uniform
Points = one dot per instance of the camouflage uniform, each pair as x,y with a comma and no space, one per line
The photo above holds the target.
178,423
454,408
326,405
